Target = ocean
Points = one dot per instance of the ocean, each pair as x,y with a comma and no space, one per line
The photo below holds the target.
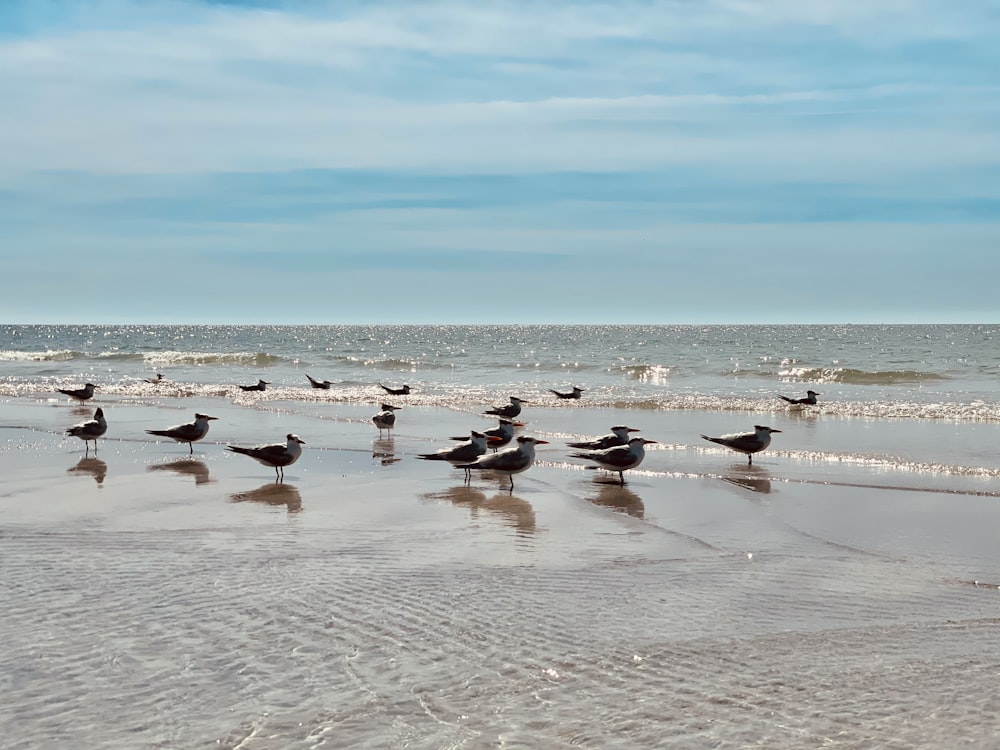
841,591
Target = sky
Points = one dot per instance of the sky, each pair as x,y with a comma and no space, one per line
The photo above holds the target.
683,161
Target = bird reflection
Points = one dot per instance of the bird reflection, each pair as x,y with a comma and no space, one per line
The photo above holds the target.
384,449
188,466
513,511
271,494
744,476
619,498
93,466
81,410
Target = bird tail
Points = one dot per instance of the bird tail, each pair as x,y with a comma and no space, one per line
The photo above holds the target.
713,440
431,457
785,398
237,449
160,433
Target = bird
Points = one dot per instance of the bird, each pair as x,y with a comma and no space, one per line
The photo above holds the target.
385,419
575,393
809,400
82,394
324,384
90,430
511,461
463,453
155,381
510,411
261,385
276,455
746,442
499,436
618,436
188,433
404,391
618,458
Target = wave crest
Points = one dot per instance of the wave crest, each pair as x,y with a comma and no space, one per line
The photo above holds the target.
854,376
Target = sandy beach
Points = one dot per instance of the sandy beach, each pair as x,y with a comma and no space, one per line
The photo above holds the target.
156,599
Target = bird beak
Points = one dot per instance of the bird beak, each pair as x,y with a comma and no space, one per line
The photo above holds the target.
300,441
633,429
213,418
541,442
649,442
490,439
775,430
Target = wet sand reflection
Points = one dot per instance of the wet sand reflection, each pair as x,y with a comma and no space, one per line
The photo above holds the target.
384,450
190,466
513,511
271,494
619,498
93,466
753,478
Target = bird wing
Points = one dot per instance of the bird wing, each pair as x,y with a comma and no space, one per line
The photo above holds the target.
182,432
747,442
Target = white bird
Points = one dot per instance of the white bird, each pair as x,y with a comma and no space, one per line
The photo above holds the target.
261,386
510,411
746,442
81,394
186,433
809,400
618,458
90,430
276,455
403,391
511,461
618,436
575,393
385,419
463,453
324,384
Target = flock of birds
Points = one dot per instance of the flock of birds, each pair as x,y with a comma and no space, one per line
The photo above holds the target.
616,452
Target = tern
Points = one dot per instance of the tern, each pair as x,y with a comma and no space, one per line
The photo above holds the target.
746,442
90,430
499,436
809,400
261,386
510,411
188,433
511,461
385,419
618,436
404,391
575,393
155,381
82,394
276,455
618,458
463,453
324,384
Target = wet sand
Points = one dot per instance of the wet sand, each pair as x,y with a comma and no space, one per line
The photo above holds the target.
154,599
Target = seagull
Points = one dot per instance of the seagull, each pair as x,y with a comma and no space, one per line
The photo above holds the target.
155,381
809,400
511,461
499,436
261,386
618,436
385,419
510,411
324,384
188,433
276,455
746,442
618,458
463,453
90,430
404,391
575,393
83,394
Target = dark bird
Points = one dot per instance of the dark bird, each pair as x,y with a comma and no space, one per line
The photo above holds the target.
82,394
90,430
809,400
324,384
499,436
463,453
261,386
510,411
618,436
575,393
386,419
511,461
404,391
155,381
276,455
618,458
189,433
746,442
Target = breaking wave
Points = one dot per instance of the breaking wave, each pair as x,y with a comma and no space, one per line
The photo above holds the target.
859,377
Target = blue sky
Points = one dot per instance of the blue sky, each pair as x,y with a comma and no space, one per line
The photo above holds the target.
352,162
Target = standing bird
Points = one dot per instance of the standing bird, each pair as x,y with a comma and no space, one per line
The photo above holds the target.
81,394
511,461
90,430
575,393
463,453
499,436
618,436
404,391
618,458
385,419
276,455
261,386
746,442
188,433
324,384
510,411
809,400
